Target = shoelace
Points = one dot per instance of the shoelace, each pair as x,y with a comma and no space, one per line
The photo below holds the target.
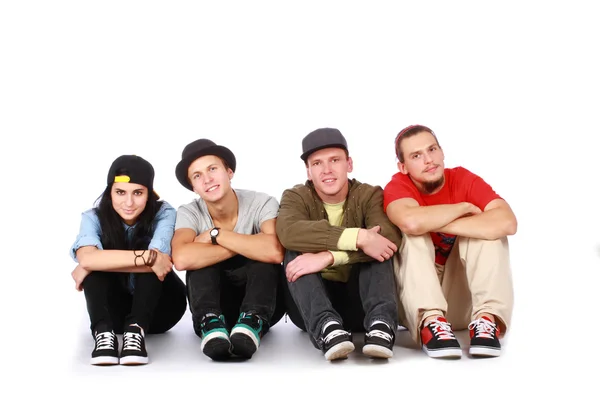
132,341
333,334
380,334
483,328
105,341
442,330
251,320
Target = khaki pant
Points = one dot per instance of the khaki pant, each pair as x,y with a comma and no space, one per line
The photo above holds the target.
476,279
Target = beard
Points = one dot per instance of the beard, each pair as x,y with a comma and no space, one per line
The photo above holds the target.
430,187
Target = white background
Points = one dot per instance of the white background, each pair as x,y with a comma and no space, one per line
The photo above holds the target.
510,88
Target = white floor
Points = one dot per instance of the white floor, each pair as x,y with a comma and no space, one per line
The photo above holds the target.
286,364
285,348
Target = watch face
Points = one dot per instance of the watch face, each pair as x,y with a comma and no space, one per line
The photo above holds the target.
214,232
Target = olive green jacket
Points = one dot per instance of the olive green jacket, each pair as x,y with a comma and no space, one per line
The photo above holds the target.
302,224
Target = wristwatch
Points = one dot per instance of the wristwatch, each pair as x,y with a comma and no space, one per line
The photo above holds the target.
214,232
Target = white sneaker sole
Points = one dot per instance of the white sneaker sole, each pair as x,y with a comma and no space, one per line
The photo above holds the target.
451,353
375,351
339,351
104,360
245,331
484,351
211,336
134,360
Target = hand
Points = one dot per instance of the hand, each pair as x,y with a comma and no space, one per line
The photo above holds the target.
79,274
375,245
472,209
162,266
308,263
204,237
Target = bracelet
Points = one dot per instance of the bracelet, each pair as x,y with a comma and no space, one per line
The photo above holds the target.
135,260
152,258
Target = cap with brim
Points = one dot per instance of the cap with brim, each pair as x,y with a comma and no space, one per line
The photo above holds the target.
132,169
322,138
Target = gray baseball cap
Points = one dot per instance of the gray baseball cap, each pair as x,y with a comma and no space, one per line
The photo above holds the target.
322,138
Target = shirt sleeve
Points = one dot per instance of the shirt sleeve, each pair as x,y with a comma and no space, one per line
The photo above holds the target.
339,258
348,239
89,233
164,228
398,189
187,219
478,192
268,211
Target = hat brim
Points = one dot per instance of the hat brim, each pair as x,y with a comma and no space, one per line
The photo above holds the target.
181,170
306,154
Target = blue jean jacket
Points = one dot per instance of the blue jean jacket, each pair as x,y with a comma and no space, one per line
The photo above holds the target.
90,232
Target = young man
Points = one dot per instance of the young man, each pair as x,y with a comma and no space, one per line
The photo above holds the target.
339,246
226,242
453,265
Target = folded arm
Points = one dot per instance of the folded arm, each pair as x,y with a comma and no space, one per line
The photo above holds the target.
297,232
263,246
497,220
414,219
190,255
373,242
462,219
93,259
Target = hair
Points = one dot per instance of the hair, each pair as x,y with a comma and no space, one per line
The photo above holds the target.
224,163
345,151
113,235
407,132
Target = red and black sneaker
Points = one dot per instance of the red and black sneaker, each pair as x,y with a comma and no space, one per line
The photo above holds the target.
484,338
439,340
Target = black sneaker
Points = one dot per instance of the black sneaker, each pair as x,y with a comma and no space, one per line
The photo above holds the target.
484,338
439,340
379,341
134,347
337,342
215,338
246,334
106,349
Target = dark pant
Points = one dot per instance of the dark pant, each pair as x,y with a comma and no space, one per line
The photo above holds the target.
233,286
368,296
154,305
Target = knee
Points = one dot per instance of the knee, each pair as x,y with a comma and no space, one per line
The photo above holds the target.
94,278
289,256
416,243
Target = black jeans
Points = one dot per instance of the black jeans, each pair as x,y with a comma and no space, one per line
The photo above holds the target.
154,305
368,296
233,286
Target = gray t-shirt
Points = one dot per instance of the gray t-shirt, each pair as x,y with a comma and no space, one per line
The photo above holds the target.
254,208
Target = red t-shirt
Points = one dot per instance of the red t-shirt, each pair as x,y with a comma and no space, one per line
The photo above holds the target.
460,185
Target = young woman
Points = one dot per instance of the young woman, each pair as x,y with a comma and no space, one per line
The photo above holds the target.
124,264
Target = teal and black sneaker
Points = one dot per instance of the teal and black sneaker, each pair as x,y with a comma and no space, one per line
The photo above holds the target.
215,338
246,334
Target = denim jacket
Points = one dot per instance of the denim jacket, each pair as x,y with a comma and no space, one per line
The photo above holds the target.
89,231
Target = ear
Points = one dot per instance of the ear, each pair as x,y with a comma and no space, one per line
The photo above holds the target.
308,176
402,168
230,173
350,164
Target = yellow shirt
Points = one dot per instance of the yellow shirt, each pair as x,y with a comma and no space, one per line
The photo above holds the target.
340,270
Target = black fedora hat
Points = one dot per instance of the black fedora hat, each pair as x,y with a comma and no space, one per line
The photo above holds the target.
200,148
